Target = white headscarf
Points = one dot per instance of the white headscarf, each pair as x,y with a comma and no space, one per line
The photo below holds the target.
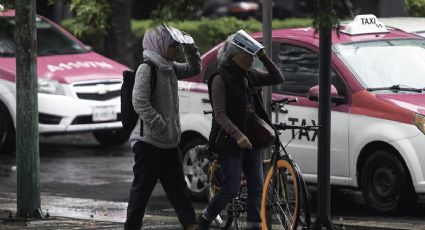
157,40
223,55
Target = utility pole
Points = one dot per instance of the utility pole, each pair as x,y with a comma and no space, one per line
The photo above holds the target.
27,140
267,42
324,140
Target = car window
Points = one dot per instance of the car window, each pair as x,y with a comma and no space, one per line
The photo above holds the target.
50,40
300,67
7,39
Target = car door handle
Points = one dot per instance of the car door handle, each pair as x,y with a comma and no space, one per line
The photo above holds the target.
205,100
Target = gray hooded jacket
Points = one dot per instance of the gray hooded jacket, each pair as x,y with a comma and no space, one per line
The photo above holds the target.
160,112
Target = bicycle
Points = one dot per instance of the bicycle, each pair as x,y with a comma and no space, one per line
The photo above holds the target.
285,203
284,192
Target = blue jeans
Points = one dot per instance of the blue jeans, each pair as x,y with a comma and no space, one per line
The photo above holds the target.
251,164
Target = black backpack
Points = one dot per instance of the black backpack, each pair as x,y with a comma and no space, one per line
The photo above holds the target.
128,115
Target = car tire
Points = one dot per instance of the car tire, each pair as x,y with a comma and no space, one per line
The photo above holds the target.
7,132
112,137
195,168
386,184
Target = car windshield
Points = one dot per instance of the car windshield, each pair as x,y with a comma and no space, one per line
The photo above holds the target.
50,40
395,65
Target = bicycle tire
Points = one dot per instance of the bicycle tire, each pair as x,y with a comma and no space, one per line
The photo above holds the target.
280,204
224,219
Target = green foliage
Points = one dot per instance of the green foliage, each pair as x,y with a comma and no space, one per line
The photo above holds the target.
177,9
91,16
209,32
324,14
206,32
219,29
415,8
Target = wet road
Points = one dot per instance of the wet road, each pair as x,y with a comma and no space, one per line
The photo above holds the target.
76,166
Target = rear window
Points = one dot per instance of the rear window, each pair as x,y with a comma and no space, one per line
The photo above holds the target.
50,41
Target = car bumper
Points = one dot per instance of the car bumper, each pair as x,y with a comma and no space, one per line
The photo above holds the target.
413,152
64,114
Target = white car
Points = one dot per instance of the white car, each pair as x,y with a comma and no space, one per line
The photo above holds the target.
78,89
408,24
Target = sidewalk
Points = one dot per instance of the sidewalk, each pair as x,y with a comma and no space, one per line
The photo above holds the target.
68,223
76,213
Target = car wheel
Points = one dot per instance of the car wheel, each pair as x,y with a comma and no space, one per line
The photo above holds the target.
195,168
386,183
112,137
7,132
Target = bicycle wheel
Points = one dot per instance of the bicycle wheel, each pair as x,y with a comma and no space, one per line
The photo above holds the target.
280,206
224,219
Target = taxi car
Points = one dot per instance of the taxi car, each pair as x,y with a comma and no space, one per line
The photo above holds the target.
378,122
78,89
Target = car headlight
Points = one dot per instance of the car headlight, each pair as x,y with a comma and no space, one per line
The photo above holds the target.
419,121
50,87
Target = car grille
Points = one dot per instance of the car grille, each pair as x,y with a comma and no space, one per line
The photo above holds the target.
98,91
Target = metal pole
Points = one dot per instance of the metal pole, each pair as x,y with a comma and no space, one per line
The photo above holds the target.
27,141
323,161
267,42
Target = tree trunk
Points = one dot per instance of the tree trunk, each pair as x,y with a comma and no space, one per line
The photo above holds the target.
27,146
120,41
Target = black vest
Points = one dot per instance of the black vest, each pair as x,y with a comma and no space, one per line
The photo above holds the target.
236,103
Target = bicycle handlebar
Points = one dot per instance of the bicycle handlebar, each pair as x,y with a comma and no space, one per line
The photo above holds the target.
284,126
285,101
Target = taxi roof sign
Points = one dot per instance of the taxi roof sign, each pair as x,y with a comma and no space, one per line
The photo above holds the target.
365,24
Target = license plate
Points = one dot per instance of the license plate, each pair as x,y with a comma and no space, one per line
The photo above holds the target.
104,113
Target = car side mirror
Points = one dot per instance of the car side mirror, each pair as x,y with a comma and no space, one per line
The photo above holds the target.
313,95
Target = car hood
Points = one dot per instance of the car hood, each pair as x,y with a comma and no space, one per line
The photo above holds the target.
71,67
412,102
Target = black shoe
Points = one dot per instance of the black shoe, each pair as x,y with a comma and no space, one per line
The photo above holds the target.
203,223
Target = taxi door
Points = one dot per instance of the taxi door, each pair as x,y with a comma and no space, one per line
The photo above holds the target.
300,67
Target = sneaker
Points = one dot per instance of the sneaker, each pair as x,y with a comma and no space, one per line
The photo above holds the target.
203,223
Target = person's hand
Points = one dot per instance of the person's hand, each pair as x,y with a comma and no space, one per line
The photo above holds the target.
244,143
261,53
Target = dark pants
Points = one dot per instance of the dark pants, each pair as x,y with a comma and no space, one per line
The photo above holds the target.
151,164
250,162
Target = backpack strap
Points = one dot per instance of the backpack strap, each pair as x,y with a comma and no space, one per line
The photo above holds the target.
153,73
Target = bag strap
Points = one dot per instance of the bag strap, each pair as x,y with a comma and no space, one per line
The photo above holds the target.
153,73
257,99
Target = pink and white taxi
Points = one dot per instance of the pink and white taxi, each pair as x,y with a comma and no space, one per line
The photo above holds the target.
378,111
78,89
